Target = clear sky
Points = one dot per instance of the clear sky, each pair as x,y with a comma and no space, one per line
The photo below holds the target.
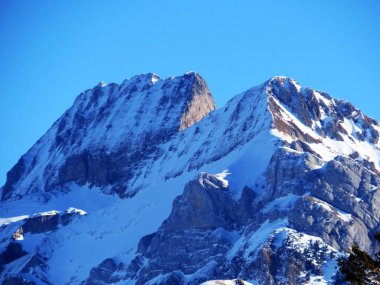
50,51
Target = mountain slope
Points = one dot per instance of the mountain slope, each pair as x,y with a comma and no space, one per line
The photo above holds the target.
107,131
271,188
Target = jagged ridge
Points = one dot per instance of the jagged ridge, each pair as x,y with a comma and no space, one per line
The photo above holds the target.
108,131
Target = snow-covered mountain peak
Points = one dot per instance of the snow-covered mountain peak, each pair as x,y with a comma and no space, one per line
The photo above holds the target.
269,188
328,126
128,120
284,81
144,78
321,112
101,84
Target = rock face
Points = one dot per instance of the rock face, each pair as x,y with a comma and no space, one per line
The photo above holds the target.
271,189
108,132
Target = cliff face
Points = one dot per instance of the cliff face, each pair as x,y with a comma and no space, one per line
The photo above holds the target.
106,135
272,188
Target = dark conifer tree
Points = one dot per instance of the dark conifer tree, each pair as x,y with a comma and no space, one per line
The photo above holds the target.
359,268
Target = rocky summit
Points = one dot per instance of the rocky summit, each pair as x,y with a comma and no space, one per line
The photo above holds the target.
147,182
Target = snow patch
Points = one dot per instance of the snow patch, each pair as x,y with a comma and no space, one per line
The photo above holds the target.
299,241
226,282
282,203
155,78
346,217
48,213
6,221
250,245
320,98
19,237
73,210
222,177
102,84
288,116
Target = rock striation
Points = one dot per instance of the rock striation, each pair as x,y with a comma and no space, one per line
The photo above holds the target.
103,138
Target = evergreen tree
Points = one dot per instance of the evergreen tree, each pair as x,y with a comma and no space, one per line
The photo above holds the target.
359,268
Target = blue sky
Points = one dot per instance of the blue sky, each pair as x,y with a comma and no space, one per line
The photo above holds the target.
50,51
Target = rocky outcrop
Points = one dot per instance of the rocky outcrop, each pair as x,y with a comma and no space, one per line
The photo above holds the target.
209,235
199,105
328,207
17,246
319,111
199,231
35,266
12,252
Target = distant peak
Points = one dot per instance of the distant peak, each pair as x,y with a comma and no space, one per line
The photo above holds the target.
101,84
281,78
284,81
193,73
146,77
310,115
154,78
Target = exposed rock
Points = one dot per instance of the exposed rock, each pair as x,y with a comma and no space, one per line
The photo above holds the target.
13,251
200,104
104,273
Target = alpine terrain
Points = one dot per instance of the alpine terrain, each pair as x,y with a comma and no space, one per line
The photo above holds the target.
147,182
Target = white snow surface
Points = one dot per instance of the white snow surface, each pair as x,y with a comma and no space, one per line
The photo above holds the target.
226,282
222,177
282,203
250,244
5,221
72,210
346,217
